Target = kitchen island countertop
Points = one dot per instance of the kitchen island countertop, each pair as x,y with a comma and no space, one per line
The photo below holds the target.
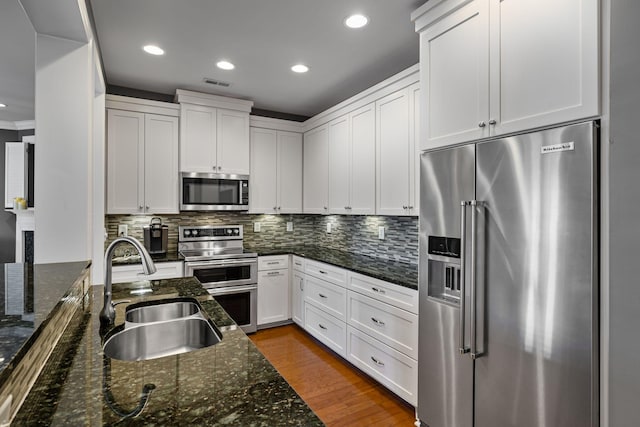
230,383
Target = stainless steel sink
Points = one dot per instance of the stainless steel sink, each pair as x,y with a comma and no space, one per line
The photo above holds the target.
160,311
160,339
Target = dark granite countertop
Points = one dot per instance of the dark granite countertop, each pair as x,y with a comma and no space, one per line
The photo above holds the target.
399,273
230,383
30,293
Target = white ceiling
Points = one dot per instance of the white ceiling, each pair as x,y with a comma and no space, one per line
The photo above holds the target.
17,63
263,38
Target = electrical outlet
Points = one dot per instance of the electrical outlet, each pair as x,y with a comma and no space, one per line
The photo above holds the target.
329,227
381,233
122,230
289,225
257,227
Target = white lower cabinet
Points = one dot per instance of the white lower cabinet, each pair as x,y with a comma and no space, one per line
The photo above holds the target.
326,328
330,298
273,296
134,273
393,369
392,326
297,297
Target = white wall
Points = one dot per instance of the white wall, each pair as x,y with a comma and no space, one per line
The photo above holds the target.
63,111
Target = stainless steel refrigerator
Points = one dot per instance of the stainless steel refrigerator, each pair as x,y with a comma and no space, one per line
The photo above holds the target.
509,282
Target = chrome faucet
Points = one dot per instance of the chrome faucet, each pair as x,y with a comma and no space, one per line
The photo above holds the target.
108,313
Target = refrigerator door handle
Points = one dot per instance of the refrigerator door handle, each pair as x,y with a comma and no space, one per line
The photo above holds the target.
474,231
463,233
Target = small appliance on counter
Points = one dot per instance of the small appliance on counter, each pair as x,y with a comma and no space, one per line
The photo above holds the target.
156,236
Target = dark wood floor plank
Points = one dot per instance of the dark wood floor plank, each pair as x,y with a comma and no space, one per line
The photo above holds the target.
340,394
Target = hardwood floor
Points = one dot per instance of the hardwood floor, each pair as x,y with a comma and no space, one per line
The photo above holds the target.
337,392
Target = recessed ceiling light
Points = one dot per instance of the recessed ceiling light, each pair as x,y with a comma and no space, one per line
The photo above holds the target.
356,21
153,50
2,105
299,68
225,65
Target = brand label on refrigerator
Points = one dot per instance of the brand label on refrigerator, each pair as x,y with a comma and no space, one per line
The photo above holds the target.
565,146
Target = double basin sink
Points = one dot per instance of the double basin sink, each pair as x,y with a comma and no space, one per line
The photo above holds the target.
161,328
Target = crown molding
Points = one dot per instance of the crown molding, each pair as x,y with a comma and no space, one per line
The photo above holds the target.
19,125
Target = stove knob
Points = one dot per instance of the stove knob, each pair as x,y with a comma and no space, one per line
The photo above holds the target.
236,231
187,232
229,231
194,232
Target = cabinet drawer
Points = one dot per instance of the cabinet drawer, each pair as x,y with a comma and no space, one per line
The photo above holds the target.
326,296
326,272
394,327
133,272
391,368
274,262
298,263
329,330
396,295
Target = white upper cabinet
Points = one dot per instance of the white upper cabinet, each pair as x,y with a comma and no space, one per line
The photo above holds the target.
142,159
494,67
352,146
316,171
214,133
396,155
276,171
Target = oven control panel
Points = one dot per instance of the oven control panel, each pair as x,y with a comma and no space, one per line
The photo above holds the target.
209,232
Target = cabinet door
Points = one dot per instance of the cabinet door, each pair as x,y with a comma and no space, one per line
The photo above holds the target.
233,142
363,160
339,164
315,171
414,149
273,296
289,171
197,138
161,164
544,62
263,176
297,298
454,71
125,162
392,145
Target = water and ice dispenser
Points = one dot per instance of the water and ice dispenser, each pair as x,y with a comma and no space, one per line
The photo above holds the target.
444,268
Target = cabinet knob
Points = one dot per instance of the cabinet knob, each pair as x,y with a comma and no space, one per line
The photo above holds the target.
147,207
214,167
405,207
492,122
325,208
481,124
219,167
279,207
140,207
410,207
275,208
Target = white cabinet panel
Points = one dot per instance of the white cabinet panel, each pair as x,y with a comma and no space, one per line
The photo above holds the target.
335,275
393,369
362,188
232,142
273,296
161,164
397,296
329,330
263,177
298,263
339,165
316,171
326,296
289,169
394,327
198,138
297,297
273,262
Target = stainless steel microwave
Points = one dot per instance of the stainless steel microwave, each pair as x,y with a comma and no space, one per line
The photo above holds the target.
213,192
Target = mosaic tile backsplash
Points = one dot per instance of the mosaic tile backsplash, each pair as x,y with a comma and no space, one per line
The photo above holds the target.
352,233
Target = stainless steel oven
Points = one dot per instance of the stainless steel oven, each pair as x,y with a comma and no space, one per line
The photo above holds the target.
213,192
215,256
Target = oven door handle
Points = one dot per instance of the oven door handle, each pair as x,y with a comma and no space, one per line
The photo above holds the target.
220,263
231,289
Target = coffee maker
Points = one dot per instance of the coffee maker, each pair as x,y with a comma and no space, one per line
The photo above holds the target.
156,236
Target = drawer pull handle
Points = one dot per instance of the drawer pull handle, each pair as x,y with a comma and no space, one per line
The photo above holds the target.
273,273
377,322
322,326
378,290
322,296
376,361
273,262
322,272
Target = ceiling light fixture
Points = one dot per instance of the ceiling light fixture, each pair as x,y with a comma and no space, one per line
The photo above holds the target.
153,50
2,105
225,65
299,68
356,21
